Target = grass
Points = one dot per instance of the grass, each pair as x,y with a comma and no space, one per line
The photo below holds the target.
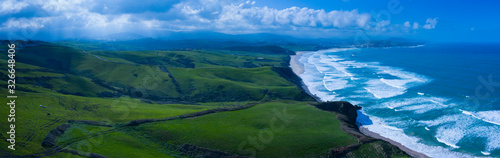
78,130
310,133
192,59
67,83
234,84
33,122
195,75
377,149
119,144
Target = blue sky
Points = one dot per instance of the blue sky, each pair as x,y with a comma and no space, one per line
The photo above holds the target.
443,21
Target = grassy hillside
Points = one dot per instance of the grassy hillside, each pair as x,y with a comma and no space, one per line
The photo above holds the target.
169,76
233,84
272,129
78,103
280,129
304,131
34,122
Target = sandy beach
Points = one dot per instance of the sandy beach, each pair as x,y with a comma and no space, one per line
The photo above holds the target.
299,69
295,65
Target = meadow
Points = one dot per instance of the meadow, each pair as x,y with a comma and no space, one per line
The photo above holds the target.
95,94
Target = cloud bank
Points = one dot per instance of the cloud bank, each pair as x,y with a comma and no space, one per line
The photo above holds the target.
74,18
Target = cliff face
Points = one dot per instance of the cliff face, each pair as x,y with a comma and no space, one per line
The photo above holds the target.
347,114
347,111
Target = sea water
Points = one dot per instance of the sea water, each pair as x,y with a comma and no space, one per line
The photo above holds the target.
437,99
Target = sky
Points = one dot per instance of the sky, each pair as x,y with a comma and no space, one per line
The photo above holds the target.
439,21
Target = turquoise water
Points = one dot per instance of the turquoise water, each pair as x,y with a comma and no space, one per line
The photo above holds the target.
437,99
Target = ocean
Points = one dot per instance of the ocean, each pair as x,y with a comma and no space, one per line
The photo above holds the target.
436,99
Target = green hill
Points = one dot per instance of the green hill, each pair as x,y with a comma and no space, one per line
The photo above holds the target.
196,103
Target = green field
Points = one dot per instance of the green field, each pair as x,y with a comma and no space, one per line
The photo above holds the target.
34,122
221,101
304,131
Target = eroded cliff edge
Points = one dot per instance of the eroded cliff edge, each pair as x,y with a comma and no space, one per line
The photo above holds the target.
367,146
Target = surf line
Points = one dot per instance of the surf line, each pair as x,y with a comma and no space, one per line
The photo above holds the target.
472,114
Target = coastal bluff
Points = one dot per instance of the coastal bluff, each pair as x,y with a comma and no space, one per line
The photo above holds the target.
367,146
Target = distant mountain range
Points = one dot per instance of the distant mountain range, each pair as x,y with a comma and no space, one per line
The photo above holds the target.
215,40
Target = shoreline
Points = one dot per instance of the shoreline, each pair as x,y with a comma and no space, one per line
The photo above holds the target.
409,151
298,69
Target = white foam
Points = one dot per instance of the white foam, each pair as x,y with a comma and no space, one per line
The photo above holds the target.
386,88
316,88
410,142
332,83
397,103
392,128
381,90
395,82
417,104
323,74
453,128
427,129
467,113
419,93
447,143
338,66
335,58
490,133
400,73
488,116
485,153
422,108
441,120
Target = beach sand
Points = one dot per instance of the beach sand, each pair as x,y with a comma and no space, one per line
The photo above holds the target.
299,69
295,65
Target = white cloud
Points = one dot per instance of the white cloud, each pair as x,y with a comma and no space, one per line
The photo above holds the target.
264,17
415,25
58,6
188,15
151,23
430,23
23,23
187,10
407,24
11,6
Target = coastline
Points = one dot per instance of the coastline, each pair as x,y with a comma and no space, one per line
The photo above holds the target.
410,152
298,69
